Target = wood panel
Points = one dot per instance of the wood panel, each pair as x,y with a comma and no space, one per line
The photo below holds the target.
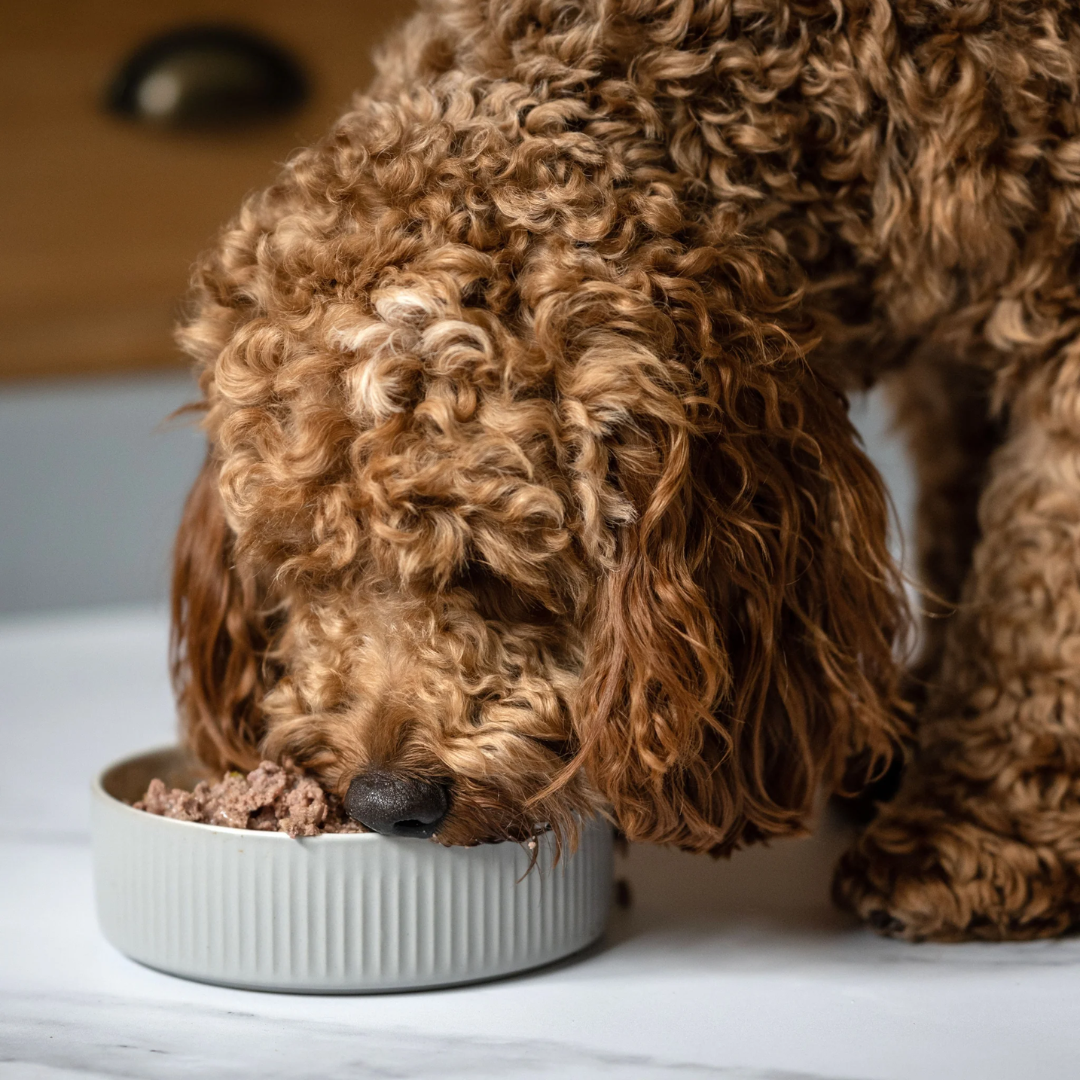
100,219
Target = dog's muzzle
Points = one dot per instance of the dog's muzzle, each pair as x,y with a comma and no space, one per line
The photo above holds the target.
397,805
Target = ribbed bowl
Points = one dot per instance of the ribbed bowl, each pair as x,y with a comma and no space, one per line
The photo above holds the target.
331,914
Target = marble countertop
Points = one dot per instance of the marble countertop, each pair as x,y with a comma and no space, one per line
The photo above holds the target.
734,969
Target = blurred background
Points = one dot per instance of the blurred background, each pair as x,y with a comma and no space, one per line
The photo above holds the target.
132,131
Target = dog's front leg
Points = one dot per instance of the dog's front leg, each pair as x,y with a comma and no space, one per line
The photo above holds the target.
984,838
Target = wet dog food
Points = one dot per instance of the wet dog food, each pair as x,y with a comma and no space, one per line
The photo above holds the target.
271,798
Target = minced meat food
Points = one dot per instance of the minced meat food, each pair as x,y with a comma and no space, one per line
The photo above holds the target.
271,798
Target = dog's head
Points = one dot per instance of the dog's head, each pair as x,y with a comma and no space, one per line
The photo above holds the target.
516,504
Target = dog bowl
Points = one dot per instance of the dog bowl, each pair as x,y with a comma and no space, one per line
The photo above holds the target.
340,913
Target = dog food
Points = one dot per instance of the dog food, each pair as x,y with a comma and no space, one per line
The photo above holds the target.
271,798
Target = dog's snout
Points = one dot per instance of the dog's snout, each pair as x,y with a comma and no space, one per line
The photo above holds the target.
397,805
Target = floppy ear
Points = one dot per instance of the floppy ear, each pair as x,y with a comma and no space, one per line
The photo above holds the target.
741,650
220,635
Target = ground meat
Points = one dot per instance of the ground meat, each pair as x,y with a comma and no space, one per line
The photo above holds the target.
270,798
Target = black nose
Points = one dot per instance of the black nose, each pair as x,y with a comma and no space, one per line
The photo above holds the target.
396,805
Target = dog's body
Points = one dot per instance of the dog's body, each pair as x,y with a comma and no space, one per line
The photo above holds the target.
531,482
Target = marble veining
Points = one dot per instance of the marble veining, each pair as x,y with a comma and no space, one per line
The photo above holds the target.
112,1037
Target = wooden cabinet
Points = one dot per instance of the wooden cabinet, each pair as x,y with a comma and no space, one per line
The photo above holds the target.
100,218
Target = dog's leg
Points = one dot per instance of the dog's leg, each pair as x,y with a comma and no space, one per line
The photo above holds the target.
943,408
983,839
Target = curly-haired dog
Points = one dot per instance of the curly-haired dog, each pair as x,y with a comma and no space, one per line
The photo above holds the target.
531,485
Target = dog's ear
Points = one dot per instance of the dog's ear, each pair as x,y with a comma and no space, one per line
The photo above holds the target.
219,635
741,650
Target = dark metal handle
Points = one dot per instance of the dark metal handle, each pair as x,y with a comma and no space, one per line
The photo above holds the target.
207,77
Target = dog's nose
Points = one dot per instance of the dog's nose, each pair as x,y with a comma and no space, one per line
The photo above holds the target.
396,805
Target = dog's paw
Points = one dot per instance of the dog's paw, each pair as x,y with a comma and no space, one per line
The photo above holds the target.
920,875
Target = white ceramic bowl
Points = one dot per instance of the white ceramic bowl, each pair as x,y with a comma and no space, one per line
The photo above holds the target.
341,913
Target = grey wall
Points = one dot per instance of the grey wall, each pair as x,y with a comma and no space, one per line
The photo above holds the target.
92,480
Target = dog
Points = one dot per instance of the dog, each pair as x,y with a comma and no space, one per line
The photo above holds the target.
531,490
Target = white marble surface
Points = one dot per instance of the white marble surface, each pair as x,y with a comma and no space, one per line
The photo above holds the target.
731,969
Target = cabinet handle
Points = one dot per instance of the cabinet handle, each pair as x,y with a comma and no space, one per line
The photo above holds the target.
205,78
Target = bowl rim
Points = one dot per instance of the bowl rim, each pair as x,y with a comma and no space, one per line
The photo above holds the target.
98,791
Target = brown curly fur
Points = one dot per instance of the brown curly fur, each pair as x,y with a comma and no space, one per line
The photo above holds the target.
530,467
